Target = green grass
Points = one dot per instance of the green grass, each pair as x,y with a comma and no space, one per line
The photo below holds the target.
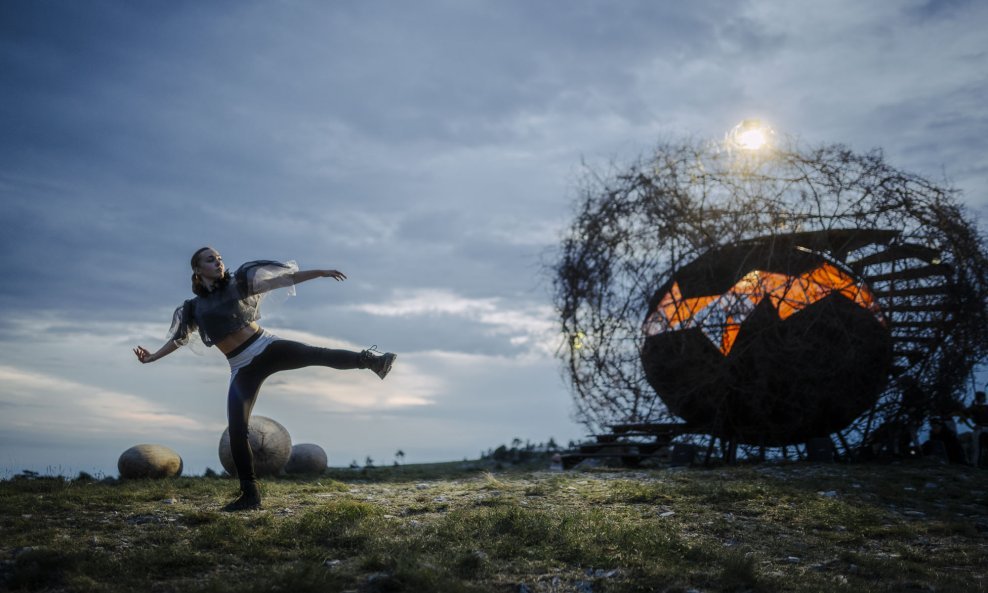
466,527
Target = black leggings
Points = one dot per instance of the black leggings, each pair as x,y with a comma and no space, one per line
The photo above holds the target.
280,355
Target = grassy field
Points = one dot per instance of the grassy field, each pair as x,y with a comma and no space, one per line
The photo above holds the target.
913,526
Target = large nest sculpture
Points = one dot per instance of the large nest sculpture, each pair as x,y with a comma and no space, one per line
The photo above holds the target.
768,297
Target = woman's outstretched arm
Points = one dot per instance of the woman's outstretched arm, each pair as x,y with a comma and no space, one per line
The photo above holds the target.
303,275
146,356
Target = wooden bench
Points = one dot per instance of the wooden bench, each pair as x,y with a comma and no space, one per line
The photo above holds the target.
632,443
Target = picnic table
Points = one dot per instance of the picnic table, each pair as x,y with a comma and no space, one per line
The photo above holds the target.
631,442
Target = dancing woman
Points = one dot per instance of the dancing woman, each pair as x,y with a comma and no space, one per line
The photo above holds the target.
225,313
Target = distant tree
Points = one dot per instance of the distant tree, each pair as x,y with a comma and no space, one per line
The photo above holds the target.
399,456
368,462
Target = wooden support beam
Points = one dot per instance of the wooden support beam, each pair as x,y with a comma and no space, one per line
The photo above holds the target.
910,273
897,253
911,291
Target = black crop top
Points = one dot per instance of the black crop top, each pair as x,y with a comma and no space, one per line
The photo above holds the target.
232,306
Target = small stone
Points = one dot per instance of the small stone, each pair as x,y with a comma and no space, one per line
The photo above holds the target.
841,580
332,563
169,501
909,489
421,486
792,559
667,514
376,576
828,494
916,514
523,588
142,520
931,485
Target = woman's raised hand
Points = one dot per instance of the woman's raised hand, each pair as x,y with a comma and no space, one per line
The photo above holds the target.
143,354
335,274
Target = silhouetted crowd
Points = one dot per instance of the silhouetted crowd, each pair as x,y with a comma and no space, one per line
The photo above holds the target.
899,437
944,440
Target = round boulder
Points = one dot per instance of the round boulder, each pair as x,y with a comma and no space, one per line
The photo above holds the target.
307,458
270,443
149,461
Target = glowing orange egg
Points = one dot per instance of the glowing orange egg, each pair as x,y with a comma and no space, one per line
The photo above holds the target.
765,345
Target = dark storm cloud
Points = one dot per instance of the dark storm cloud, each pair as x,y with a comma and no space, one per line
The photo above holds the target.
934,9
133,129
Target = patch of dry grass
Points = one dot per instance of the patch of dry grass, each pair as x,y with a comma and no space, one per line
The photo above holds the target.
450,527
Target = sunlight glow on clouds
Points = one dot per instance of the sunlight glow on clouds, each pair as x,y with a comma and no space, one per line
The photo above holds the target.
45,403
421,378
531,325
407,385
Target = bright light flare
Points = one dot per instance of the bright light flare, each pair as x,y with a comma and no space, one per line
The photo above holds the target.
751,135
577,340
752,139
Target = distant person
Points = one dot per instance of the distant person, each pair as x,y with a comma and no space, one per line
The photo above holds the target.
225,313
914,405
976,416
892,438
942,431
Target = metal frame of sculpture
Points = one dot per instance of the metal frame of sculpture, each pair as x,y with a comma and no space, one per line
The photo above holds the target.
905,238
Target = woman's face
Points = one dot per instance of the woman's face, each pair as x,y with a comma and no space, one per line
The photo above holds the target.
209,265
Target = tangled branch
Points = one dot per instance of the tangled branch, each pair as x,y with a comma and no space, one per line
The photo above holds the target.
634,229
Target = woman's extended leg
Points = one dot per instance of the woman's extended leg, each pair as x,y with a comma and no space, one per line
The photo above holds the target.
285,355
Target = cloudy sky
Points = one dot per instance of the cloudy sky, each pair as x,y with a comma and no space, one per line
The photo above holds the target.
430,150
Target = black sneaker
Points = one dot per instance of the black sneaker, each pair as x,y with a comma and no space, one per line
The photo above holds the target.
380,364
250,499
384,362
